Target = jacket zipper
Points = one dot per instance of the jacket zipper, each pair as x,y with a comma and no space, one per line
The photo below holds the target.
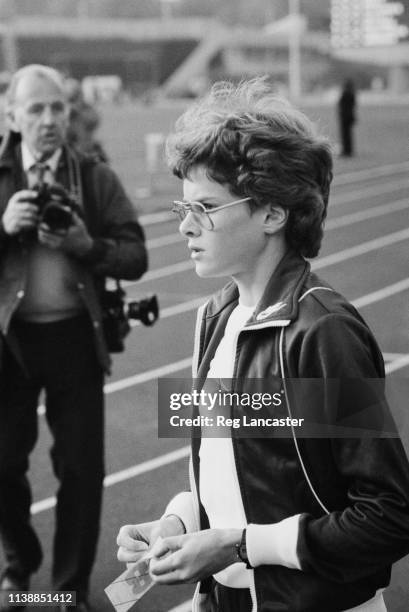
278,323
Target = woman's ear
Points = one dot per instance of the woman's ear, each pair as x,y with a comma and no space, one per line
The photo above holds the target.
275,219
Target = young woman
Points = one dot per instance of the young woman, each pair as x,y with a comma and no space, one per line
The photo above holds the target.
273,524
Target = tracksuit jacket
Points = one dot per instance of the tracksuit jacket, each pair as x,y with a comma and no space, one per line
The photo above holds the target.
354,515
119,245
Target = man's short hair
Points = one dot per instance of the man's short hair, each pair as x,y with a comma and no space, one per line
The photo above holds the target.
45,72
259,146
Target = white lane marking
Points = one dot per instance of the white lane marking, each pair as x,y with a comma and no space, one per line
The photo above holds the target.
369,173
370,298
368,213
161,241
345,178
367,192
393,356
329,260
361,249
340,179
176,268
366,300
138,379
132,472
157,217
162,460
400,362
362,215
186,606
171,311
381,294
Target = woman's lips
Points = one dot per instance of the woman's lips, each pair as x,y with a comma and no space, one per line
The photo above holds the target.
195,251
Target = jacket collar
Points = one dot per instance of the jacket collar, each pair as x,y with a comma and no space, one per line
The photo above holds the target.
10,149
279,302
28,159
9,144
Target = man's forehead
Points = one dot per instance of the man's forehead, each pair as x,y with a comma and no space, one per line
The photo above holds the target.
37,87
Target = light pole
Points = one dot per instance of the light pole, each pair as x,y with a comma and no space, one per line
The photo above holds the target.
294,60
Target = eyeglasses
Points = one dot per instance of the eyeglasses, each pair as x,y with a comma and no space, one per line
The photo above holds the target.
200,212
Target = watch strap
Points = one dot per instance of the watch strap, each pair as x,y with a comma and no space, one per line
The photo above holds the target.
241,550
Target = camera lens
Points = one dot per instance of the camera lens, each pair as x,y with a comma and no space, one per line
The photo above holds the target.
146,310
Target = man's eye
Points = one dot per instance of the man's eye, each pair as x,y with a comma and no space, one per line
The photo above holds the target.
58,107
35,109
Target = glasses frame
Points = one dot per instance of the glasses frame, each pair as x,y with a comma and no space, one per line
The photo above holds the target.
184,208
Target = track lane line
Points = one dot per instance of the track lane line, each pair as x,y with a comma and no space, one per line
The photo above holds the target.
132,472
366,300
176,238
368,213
329,260
167,458
360,249
368,173
367,192
344,178
162,460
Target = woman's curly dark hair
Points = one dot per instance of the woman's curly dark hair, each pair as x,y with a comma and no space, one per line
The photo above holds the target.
258,146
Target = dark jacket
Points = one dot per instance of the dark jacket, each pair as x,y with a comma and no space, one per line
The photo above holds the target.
118,251
345,551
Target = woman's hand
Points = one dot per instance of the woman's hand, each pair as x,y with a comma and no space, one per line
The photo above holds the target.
134,540
194,556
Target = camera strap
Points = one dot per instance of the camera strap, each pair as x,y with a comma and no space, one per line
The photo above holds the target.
74,179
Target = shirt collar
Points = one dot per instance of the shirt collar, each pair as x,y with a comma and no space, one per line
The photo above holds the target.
29,160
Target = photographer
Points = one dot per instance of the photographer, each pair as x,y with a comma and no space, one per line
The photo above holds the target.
57,243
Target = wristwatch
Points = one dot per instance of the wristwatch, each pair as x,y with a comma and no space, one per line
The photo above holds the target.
241,550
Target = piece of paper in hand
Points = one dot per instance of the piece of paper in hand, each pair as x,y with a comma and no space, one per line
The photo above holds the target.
130,586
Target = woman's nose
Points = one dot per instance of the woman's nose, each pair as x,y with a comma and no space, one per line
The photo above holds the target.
189,226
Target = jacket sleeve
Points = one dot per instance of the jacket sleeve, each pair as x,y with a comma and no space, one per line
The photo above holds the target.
372,531
119,242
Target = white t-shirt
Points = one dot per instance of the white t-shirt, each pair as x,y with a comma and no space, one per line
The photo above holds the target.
219,486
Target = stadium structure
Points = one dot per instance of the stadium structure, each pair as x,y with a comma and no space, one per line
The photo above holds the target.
177,55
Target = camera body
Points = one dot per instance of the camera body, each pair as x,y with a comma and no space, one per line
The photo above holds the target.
117,313
55,206
146,310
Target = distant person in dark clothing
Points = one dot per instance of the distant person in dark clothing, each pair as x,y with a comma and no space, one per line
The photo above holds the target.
347,117
83,122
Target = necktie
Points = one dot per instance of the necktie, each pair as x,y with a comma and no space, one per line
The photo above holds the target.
39,169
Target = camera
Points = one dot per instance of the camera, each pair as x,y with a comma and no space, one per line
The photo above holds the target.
116,314
55,206
146,310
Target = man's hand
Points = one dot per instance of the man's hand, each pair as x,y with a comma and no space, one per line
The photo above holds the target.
76,240
134,540
194,556
21,213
